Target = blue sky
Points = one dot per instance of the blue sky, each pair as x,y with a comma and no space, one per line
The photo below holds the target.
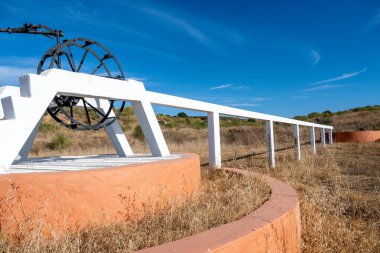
280,57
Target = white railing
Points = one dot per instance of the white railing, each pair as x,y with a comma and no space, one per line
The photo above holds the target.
22,114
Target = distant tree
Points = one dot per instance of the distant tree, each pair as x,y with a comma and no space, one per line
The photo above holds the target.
303,118
314,114
182,115
327,113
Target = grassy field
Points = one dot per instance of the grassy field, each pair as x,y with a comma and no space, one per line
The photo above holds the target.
339,189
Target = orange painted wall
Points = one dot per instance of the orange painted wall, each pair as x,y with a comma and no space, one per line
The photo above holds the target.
71,200
273,227
359,136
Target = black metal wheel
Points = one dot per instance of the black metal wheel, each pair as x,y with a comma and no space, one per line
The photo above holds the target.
85,56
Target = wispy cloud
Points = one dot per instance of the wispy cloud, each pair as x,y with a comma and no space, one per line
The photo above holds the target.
180,23
216,37
299,97
242,87
375,21
244,105
315,56
219,87
327,87
80,12
341,77
260,99
10,74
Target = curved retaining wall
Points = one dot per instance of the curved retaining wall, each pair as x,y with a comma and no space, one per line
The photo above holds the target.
273,227
70,200
358,136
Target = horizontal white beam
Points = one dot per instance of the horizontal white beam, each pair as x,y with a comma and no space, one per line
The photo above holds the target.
78,84
179,102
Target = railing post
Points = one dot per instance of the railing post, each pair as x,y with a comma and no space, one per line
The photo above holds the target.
297,141
270,143
330,136
323,137
312,140
214,140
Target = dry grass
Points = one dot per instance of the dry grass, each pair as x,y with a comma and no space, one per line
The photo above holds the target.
339,192
369,120
339,189
223,198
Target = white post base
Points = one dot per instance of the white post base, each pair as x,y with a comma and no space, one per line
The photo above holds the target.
270,143
297,141
330,136
312,140
323,137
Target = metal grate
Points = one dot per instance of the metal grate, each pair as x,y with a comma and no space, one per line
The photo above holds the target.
74,163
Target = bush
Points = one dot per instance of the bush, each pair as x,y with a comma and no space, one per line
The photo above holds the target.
48,127
59,141
303,118
138,133
197,123
126,127
182,115
325,121
327,113
170,125
314,114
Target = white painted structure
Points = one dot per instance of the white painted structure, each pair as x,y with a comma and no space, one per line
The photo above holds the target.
22,108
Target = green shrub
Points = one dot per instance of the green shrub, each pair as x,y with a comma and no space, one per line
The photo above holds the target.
327,113
59,141
126,127
325,121
197,123
170,125
138,133
48,127
303,118
314,114
182,115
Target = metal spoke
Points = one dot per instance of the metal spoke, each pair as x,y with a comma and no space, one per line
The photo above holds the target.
72,58
71,112
96,109
97,68
57,63
85,108
82,60
70,63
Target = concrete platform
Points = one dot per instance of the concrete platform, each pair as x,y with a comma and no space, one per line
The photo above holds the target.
64,194
75,163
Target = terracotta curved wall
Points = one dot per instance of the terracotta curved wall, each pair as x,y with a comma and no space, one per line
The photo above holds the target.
359,136
273,227
71,200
